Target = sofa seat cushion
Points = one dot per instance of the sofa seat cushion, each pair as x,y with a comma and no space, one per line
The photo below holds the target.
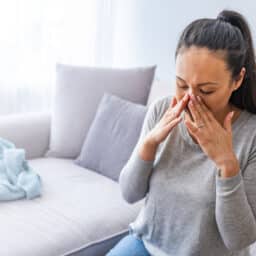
77,207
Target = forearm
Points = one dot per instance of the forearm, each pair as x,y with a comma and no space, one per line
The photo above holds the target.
234,215
134,176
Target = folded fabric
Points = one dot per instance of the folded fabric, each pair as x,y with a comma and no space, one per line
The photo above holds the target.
17,179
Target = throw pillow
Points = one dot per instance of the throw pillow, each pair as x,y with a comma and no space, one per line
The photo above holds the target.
112,136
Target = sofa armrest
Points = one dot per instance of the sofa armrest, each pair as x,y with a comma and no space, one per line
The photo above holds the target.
30,131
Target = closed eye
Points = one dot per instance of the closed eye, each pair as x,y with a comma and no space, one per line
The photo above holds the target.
204,92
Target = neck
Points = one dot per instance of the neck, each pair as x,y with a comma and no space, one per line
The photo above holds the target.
220,117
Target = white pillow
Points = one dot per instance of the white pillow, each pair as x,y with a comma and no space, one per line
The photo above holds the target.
78,94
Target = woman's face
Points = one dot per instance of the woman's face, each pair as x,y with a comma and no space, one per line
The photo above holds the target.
203,73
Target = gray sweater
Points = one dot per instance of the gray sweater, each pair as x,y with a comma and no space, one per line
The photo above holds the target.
189,209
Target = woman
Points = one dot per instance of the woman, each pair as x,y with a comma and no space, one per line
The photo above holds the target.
195,161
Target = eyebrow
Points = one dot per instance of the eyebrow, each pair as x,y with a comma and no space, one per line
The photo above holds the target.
201,84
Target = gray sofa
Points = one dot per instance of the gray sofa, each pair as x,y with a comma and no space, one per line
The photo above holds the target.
80,211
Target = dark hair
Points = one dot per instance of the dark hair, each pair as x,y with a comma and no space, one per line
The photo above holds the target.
230,34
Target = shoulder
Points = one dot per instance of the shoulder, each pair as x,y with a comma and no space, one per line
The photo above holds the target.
160,105
250,122
246,130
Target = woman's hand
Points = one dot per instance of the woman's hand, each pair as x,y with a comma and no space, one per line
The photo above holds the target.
215,140
168,121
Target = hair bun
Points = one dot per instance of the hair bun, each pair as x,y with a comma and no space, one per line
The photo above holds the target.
232,18
224,18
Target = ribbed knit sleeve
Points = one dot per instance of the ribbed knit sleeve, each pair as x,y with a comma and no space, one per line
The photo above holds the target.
236,207
134,176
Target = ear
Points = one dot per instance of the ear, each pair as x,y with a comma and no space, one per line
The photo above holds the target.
239,79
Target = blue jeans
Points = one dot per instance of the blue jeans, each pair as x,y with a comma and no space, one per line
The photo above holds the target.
129,245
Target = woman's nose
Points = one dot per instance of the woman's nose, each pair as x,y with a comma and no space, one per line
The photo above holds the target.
192,91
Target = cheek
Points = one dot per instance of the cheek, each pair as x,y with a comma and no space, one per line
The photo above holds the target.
179,95
210,104
214,103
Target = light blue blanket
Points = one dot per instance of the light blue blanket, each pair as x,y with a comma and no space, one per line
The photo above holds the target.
17,179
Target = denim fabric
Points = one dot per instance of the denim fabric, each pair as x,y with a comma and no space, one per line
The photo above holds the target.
130,245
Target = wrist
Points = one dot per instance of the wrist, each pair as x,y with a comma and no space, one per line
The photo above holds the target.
147,151
150,143
229,169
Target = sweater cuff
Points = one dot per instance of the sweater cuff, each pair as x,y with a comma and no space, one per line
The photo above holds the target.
229,184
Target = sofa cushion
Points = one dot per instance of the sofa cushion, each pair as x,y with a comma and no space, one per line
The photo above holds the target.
161,89
112,136
77,95
75,202
23,129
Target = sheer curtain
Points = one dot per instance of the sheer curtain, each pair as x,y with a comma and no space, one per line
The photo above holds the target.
36,34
